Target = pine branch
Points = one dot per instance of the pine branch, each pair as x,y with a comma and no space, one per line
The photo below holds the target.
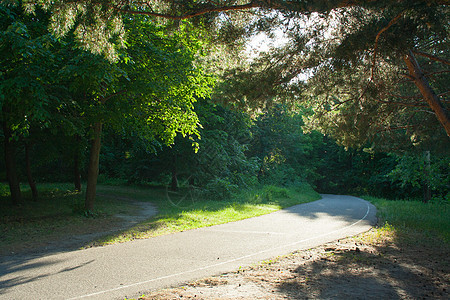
432,57
436,73
415,104
405,97
214,6
194,13
375,48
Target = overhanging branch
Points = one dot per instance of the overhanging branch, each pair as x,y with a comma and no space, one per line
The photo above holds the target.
194,13
199,8
432,57
428,94
375,48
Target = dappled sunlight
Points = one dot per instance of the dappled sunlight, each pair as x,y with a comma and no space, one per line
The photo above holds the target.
378,263
328,209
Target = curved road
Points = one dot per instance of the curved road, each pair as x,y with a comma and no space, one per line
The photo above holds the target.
133,268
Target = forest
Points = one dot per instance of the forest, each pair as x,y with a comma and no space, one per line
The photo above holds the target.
169,104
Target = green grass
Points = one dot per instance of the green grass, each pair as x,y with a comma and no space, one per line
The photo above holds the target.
409,217
185,210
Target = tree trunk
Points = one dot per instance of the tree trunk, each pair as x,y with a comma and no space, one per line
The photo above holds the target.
426,181
174,184
10,163
76,172
76,164
427,92
31,183
93,168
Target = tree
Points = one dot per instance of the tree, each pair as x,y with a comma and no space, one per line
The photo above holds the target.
423,172
287,155
370,38
158,86
360,90
92,81
222,161
27,93
151,89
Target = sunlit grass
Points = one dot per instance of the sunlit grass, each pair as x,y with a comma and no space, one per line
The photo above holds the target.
431,219
184,211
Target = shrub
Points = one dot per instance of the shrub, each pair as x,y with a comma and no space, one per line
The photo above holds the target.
220,188
272,192
4,190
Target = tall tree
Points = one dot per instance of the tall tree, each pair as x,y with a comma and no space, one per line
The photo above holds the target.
157,86
27,94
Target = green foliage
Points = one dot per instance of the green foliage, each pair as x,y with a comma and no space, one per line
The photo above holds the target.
163,81
28,93
162,123
351,53
270,194
4,189
392,175
52,90
103,179
235,153
275,192
358,91
282,148
220,159
413,170
220,188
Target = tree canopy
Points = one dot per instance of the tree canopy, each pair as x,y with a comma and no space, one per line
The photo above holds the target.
354,54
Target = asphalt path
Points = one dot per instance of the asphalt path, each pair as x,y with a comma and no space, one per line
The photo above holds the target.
134,268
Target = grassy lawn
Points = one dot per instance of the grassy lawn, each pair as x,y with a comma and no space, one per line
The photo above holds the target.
59,211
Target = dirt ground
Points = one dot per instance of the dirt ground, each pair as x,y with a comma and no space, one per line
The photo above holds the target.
378,264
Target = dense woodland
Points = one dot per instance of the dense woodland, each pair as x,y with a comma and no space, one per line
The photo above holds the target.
164,99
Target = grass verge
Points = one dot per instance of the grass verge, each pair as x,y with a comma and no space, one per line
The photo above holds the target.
410,218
